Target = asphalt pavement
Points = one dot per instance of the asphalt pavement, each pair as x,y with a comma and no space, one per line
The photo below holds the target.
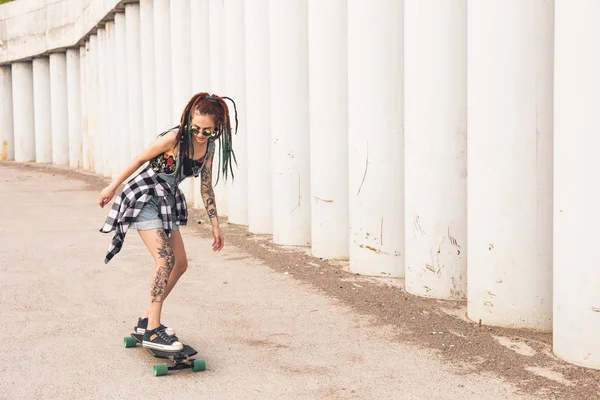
264,334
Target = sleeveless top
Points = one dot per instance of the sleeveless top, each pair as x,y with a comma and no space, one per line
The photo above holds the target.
167,164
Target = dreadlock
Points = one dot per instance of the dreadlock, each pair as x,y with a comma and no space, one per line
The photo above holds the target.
215,106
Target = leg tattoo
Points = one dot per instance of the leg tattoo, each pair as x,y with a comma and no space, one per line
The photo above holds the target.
166,260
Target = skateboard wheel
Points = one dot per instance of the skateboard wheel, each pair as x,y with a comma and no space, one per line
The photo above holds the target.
198,365
129,342
160,369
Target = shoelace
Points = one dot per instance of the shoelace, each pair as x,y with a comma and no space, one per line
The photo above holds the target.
169,339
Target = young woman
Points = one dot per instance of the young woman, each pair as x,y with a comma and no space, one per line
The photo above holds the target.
152,203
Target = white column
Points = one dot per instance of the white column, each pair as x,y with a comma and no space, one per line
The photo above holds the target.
510,163
103,119
235,88
290,122
181,61
375,126
162,57
93,98
328,72
7,139
217,86
122,94
217,52
74,106
147,71
135,113
576,195
113,156
86,157
258,117
435,145
200,59
23,120
181,69
58,108
41,110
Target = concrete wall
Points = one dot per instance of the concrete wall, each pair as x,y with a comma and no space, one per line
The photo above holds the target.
414,138
32,27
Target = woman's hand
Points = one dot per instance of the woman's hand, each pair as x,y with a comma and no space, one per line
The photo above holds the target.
219,241
106,196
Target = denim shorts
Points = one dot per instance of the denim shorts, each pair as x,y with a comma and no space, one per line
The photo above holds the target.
149,216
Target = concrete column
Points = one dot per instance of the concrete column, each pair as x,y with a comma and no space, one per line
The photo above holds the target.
258,117
436,148
375,126
113,155
576,318
150,131
290,122
104,125
181,61
74,105
328,71
86,157
181,69
162,57
59,109
134,80
93,100
201,56
7,138
235,87
122,94
41,110
510,100
217,52
23,117
217,86
200,59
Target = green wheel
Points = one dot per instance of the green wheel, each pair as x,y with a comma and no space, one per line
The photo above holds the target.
198,365
160,369
129,342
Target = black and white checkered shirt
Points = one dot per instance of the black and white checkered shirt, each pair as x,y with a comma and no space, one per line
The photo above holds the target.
130,202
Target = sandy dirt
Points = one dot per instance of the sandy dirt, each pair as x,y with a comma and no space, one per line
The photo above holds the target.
272,322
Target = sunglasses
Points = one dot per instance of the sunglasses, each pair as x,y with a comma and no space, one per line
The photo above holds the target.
205,132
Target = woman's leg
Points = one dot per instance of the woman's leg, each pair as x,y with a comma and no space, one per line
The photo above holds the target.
181,264
164,261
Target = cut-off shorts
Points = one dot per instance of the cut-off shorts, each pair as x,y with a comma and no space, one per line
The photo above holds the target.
149,216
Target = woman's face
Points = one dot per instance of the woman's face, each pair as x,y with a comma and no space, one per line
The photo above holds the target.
203,127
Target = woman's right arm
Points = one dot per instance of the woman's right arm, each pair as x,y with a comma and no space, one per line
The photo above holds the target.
161,145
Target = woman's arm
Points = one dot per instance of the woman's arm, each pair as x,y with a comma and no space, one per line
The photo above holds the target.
208,194
161,145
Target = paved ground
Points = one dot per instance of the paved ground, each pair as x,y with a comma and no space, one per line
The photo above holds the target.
264,334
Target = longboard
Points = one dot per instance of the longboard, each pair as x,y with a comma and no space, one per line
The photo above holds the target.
180,360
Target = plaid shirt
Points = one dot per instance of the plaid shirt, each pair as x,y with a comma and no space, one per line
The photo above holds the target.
130,202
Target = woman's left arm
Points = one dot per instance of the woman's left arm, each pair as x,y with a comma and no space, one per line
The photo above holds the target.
208,195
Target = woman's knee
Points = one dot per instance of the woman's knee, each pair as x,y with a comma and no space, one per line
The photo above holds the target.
181,265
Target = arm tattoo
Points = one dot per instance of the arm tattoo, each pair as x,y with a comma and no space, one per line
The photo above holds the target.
166,259
208,194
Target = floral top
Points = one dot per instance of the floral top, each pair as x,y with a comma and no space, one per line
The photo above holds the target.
165,164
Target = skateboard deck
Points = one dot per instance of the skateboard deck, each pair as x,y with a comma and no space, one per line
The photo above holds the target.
182,359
